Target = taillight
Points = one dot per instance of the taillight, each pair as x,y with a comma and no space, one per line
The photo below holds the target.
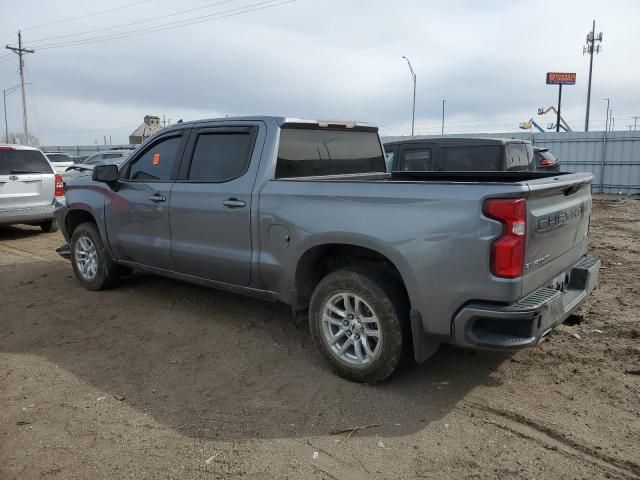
59,190
507,252
547,163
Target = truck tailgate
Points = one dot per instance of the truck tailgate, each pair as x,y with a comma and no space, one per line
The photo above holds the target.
558,220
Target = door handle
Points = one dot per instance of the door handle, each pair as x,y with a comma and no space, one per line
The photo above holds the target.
157,198
233,203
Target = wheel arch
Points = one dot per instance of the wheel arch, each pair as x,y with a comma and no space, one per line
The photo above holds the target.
318,259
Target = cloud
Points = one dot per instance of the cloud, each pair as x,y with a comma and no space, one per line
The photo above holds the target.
326,59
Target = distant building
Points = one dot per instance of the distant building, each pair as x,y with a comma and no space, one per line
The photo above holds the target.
150,126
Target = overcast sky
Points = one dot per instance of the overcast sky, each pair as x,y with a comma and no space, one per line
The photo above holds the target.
317,59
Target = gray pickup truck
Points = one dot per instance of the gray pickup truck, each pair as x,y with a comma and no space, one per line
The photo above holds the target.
385,266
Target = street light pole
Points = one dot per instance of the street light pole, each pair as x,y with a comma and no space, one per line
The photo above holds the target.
413,112
442,129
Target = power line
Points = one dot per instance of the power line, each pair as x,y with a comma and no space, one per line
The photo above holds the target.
182,23
83,16
147,20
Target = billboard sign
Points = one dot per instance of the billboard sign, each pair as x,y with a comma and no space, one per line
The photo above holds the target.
561,78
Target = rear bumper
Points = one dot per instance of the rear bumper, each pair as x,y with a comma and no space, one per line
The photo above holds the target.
26,215
523,323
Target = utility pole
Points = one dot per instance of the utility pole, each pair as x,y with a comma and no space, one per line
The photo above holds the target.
442,128
6,125
635,122
20,52
606,123
591,47
413,114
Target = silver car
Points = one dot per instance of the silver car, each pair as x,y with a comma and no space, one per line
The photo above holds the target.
29,187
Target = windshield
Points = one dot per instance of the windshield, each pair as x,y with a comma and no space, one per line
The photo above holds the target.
305,152
23,161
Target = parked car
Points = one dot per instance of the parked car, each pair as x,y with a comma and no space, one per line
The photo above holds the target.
303,212
79,158
108,156
60,161
459,154
545,161
115,157
28,187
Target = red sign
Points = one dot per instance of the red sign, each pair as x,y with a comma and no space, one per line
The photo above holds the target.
561,78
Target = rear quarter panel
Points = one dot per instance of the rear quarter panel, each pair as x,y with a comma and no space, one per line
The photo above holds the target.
434,233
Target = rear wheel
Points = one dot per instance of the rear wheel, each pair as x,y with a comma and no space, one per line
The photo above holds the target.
357,322
92,264
49,226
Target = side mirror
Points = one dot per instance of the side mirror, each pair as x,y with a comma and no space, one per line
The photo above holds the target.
105,173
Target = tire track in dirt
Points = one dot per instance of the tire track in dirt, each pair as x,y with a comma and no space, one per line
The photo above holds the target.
18,254
551,439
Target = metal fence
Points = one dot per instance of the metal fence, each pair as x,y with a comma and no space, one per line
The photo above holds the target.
613,158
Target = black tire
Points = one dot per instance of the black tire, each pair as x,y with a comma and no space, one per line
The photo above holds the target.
389,305
106,273
49,226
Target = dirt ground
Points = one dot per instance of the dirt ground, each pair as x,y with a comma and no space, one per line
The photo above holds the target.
161,379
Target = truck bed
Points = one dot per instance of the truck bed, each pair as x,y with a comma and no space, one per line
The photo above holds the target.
482,176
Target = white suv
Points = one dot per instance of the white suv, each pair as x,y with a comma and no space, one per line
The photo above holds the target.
29,187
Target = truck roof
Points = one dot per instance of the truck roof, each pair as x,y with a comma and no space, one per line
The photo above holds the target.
7,146
281,120
457,141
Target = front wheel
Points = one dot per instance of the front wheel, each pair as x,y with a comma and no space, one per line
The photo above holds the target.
92,264
357,321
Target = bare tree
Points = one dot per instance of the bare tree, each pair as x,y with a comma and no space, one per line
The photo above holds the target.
18,138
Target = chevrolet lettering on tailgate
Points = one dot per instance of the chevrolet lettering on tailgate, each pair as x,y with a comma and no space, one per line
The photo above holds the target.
557,219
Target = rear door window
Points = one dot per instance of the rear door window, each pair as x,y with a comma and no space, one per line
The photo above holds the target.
518,157
415,160
15,162
158,162
307,152
471,159
220,156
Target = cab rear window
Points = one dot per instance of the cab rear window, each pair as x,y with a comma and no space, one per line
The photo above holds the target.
471,159
306,152
14,162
